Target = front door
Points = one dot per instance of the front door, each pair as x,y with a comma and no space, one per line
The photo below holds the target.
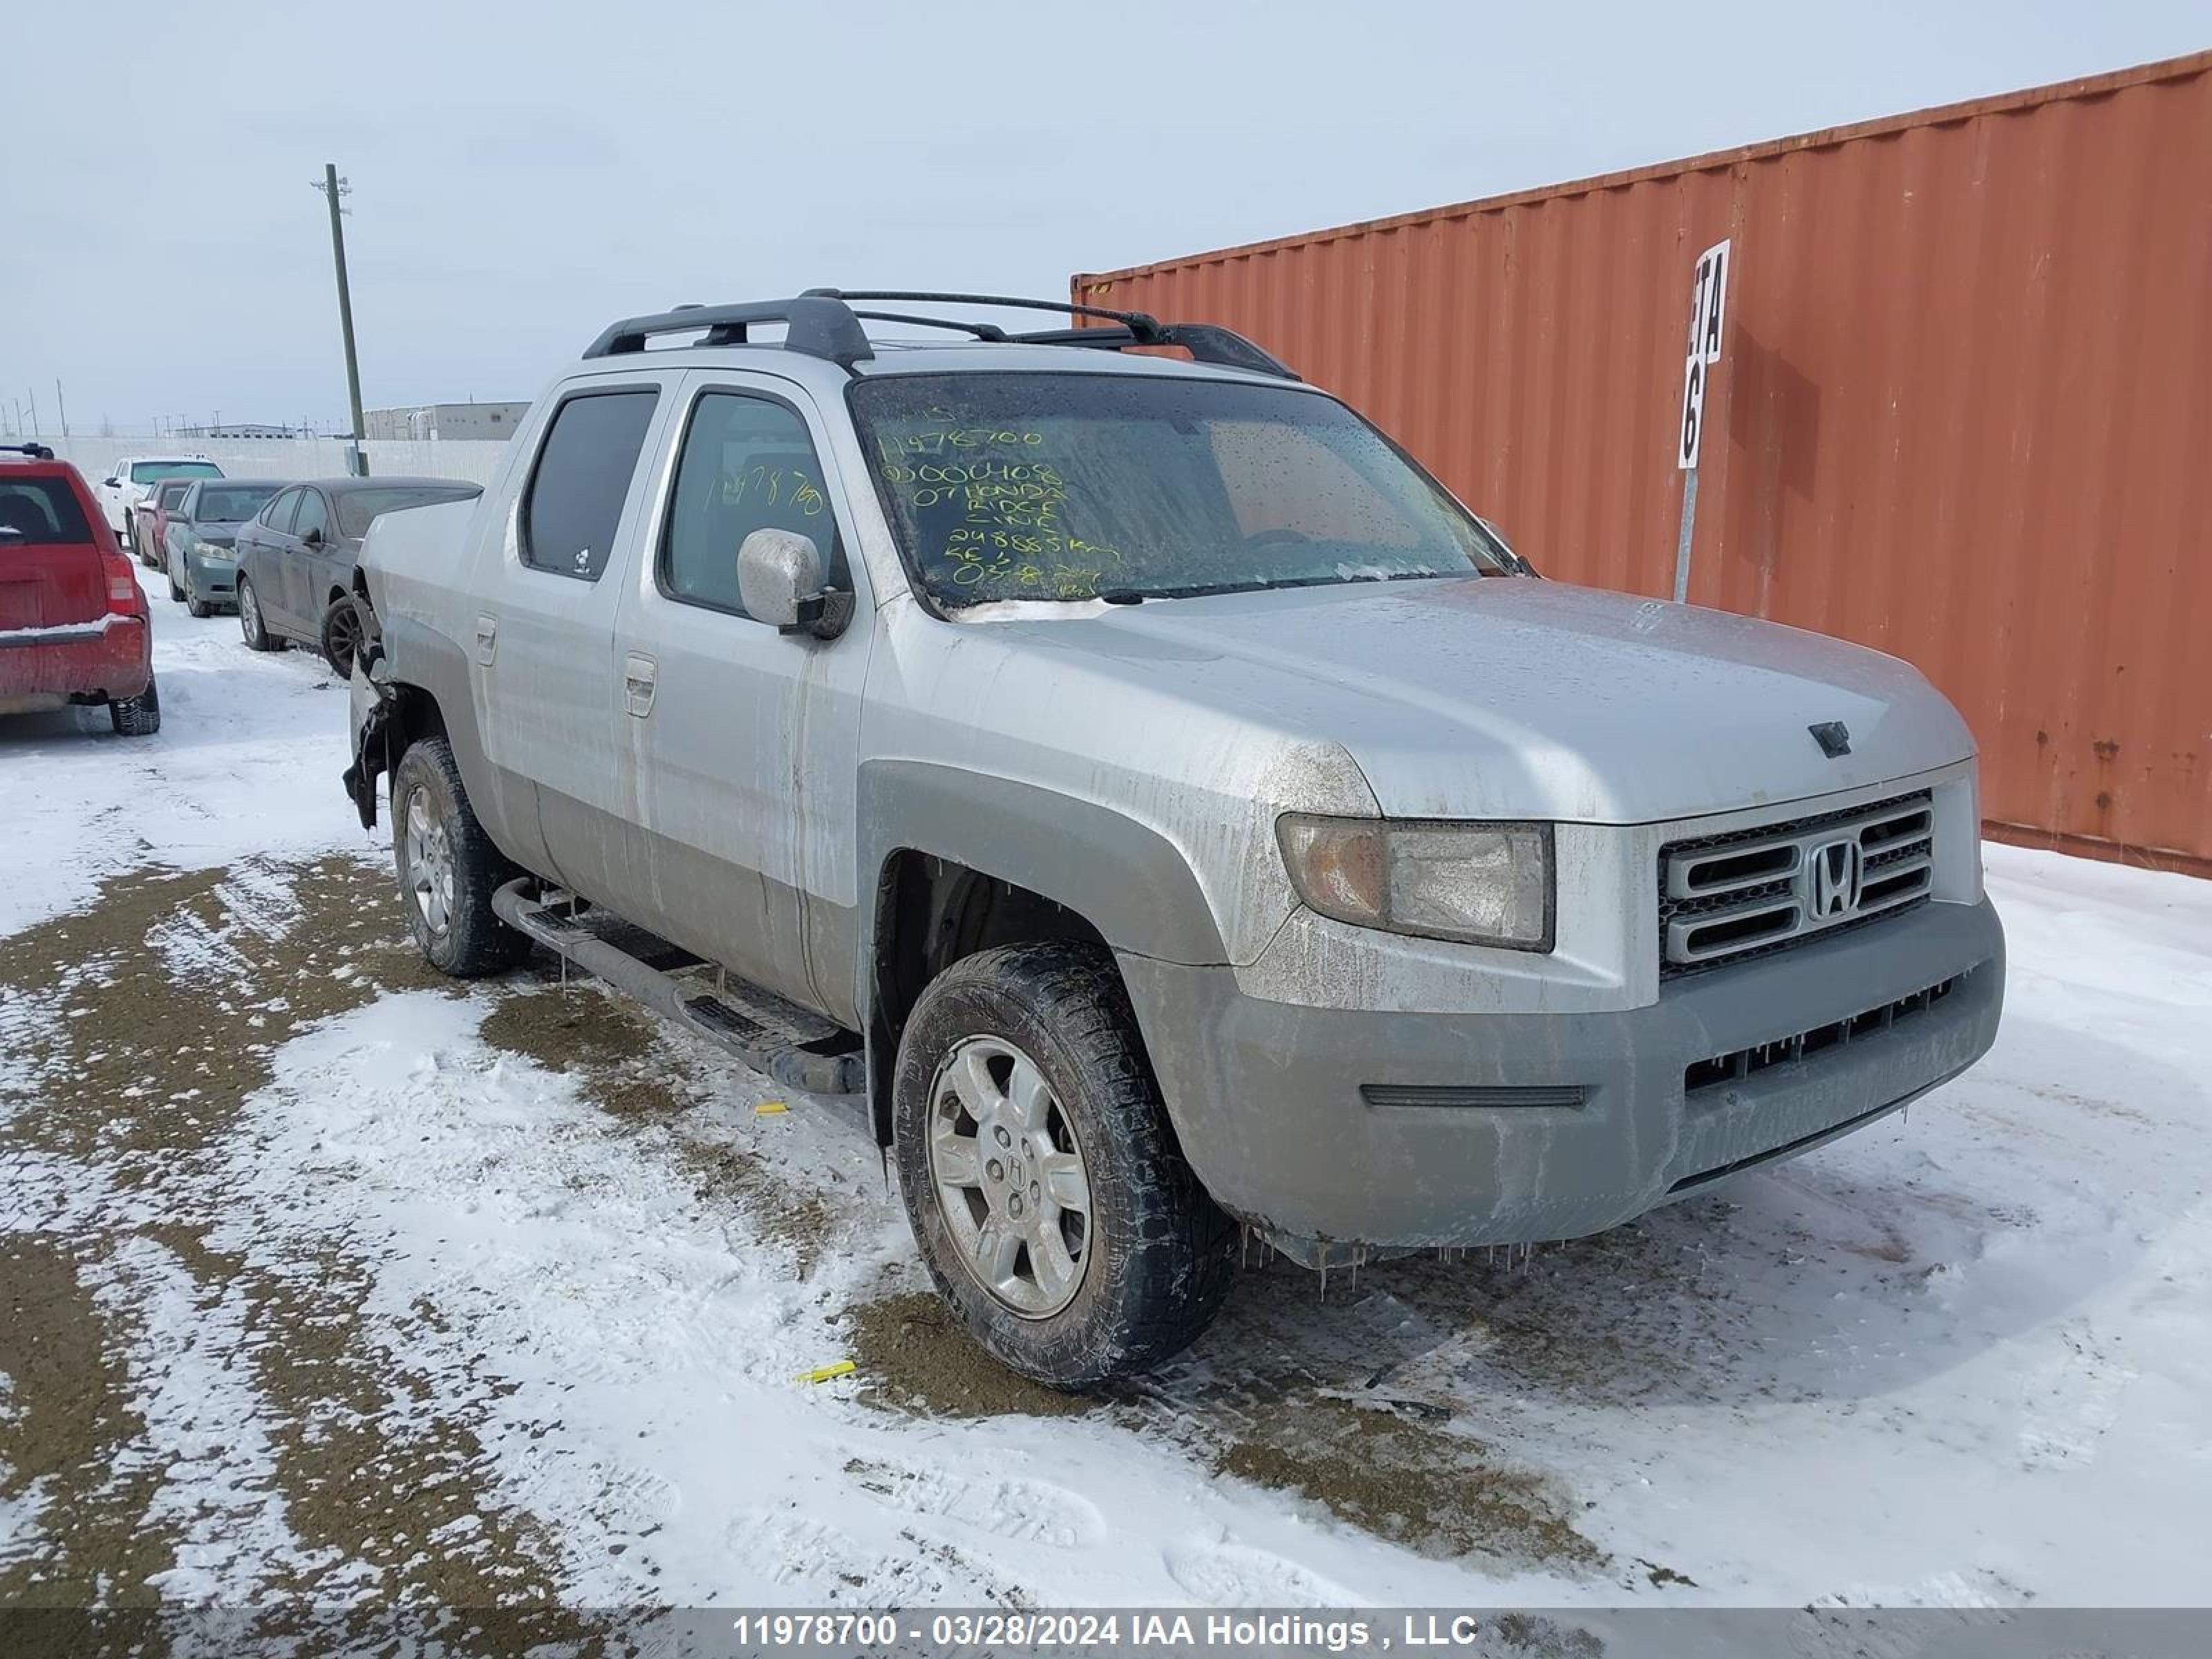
745,742
546,683
261,554
312,529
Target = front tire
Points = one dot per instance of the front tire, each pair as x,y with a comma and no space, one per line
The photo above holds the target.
257,635
342,636
176,588
448,869
1051,1202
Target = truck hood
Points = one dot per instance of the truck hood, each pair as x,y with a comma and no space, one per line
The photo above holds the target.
1508,698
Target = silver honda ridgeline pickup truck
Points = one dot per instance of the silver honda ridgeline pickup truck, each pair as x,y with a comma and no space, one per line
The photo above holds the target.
1167,806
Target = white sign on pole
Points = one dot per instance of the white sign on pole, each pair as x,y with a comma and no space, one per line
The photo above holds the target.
1708,314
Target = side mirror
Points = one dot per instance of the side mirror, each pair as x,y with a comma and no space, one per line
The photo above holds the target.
780,581
313,538
111,484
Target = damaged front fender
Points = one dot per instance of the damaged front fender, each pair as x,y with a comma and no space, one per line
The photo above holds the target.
375,707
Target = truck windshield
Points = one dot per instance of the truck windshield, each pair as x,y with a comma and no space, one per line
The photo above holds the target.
146,473
1055,486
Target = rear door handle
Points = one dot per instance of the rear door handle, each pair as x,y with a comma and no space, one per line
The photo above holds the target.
487,639
639,675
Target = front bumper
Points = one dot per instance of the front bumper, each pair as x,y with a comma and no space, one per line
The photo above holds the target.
212,580
1266,1096
110,660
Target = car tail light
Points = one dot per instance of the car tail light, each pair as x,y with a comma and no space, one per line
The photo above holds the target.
122,586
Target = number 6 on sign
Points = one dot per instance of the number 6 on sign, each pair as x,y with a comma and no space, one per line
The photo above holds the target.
1694,413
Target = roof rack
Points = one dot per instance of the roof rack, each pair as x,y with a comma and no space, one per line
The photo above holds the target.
34,452
824,323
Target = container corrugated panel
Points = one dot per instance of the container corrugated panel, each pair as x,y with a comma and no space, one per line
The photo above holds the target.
1964,413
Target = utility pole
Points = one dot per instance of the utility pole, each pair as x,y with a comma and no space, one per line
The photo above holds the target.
333,187
33,391
63,405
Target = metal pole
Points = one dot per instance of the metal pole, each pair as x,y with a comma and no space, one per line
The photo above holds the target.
33,391
63,404
345,311
1689,532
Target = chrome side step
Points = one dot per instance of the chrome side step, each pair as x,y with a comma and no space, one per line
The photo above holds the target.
799,1049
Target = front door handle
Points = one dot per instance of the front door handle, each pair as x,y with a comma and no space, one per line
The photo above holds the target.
638,676
487,639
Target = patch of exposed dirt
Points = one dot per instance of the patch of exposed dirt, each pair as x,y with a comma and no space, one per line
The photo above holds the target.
143,1022
912,1354
1437,1492
68,1423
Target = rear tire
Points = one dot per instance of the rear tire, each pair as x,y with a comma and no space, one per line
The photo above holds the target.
139,716
447,867
1038,1041
257,636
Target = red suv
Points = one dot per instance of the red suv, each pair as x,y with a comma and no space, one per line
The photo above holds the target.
72,620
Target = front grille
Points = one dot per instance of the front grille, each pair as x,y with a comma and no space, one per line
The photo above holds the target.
1739,1064
1748,892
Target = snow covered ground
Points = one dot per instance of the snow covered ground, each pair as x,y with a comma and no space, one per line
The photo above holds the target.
328,1279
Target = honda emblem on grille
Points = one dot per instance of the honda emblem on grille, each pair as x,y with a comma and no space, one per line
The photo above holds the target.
1839,874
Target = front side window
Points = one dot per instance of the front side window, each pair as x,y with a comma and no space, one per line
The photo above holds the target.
575,503
1079,486
360,509
278,514
170,495
312,515
748,464
147,472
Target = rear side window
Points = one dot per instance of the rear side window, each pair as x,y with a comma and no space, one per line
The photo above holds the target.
747,465
575,503
39,513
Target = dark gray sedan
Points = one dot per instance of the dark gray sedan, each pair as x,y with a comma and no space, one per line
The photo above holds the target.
197,539
295,559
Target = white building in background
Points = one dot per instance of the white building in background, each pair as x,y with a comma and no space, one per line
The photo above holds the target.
470,420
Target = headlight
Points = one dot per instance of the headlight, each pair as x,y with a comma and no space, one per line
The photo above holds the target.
1484,884
211,550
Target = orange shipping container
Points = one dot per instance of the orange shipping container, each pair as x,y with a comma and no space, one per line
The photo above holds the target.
1964,412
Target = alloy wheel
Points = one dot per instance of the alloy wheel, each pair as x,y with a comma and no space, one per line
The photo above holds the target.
429,863
1010,1175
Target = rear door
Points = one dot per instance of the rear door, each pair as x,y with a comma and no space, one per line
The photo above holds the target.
546,682
50,567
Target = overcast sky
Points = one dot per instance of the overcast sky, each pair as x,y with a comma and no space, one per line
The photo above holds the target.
524,175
